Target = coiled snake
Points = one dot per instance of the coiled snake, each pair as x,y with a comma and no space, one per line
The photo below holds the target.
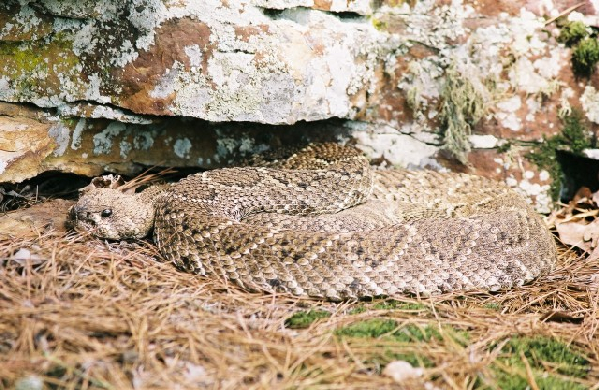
319,221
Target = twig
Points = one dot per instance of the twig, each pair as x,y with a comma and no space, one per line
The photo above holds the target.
566,12
530,378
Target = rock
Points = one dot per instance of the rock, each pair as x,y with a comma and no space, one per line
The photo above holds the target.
198,84
218,61
38,141
515,169
24,145
31,382
400,371
24,256
592,153
483,141
41,218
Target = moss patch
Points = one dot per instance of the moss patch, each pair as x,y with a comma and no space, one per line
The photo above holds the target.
585,57
549,360
390,304
585,47
369,328
378,24
357,310
34,66
504,147
303,319
572,33
388,329
401,342
492,306
574,136
395,305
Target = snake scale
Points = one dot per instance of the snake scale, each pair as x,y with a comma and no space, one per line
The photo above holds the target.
319,221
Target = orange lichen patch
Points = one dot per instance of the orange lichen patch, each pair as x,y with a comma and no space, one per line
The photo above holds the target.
143,75
324,5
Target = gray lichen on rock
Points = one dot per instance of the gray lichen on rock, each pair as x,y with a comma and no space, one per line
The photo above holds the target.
462,106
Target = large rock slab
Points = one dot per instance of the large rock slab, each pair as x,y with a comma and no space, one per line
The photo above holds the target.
215,60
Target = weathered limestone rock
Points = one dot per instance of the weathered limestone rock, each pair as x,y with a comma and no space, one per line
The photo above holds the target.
35,140
24,143
219,61
42,218
120,85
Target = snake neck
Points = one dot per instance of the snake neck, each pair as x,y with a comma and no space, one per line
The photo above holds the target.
147,200
153,193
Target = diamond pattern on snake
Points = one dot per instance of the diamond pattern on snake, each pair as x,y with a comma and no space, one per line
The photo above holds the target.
318,221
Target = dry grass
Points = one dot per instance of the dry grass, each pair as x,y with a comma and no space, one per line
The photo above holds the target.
86,314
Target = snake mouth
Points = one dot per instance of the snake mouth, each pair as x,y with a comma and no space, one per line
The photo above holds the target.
72,220
79,225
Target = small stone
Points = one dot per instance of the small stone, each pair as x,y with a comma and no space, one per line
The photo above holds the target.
592,153
29,383
24,255
430,386
400,371
194,372
483,141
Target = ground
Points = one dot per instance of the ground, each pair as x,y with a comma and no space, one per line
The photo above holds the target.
81,313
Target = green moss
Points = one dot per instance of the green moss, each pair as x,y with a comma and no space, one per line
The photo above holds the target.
378,24
387,329
392,304
22,58
574,136
572,33
492,306
519,382
358,310
31,64
545,157
462,106
504,147
303,319
585,47
585,56
69,122
539,352
38,56
375,327
398,342
386,354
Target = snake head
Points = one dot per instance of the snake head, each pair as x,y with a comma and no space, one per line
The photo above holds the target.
112,213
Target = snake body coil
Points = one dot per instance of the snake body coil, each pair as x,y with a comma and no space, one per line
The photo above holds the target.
320,222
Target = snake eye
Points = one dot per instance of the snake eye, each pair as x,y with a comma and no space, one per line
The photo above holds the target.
106,213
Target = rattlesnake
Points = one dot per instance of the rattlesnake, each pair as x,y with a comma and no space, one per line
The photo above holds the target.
320,222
